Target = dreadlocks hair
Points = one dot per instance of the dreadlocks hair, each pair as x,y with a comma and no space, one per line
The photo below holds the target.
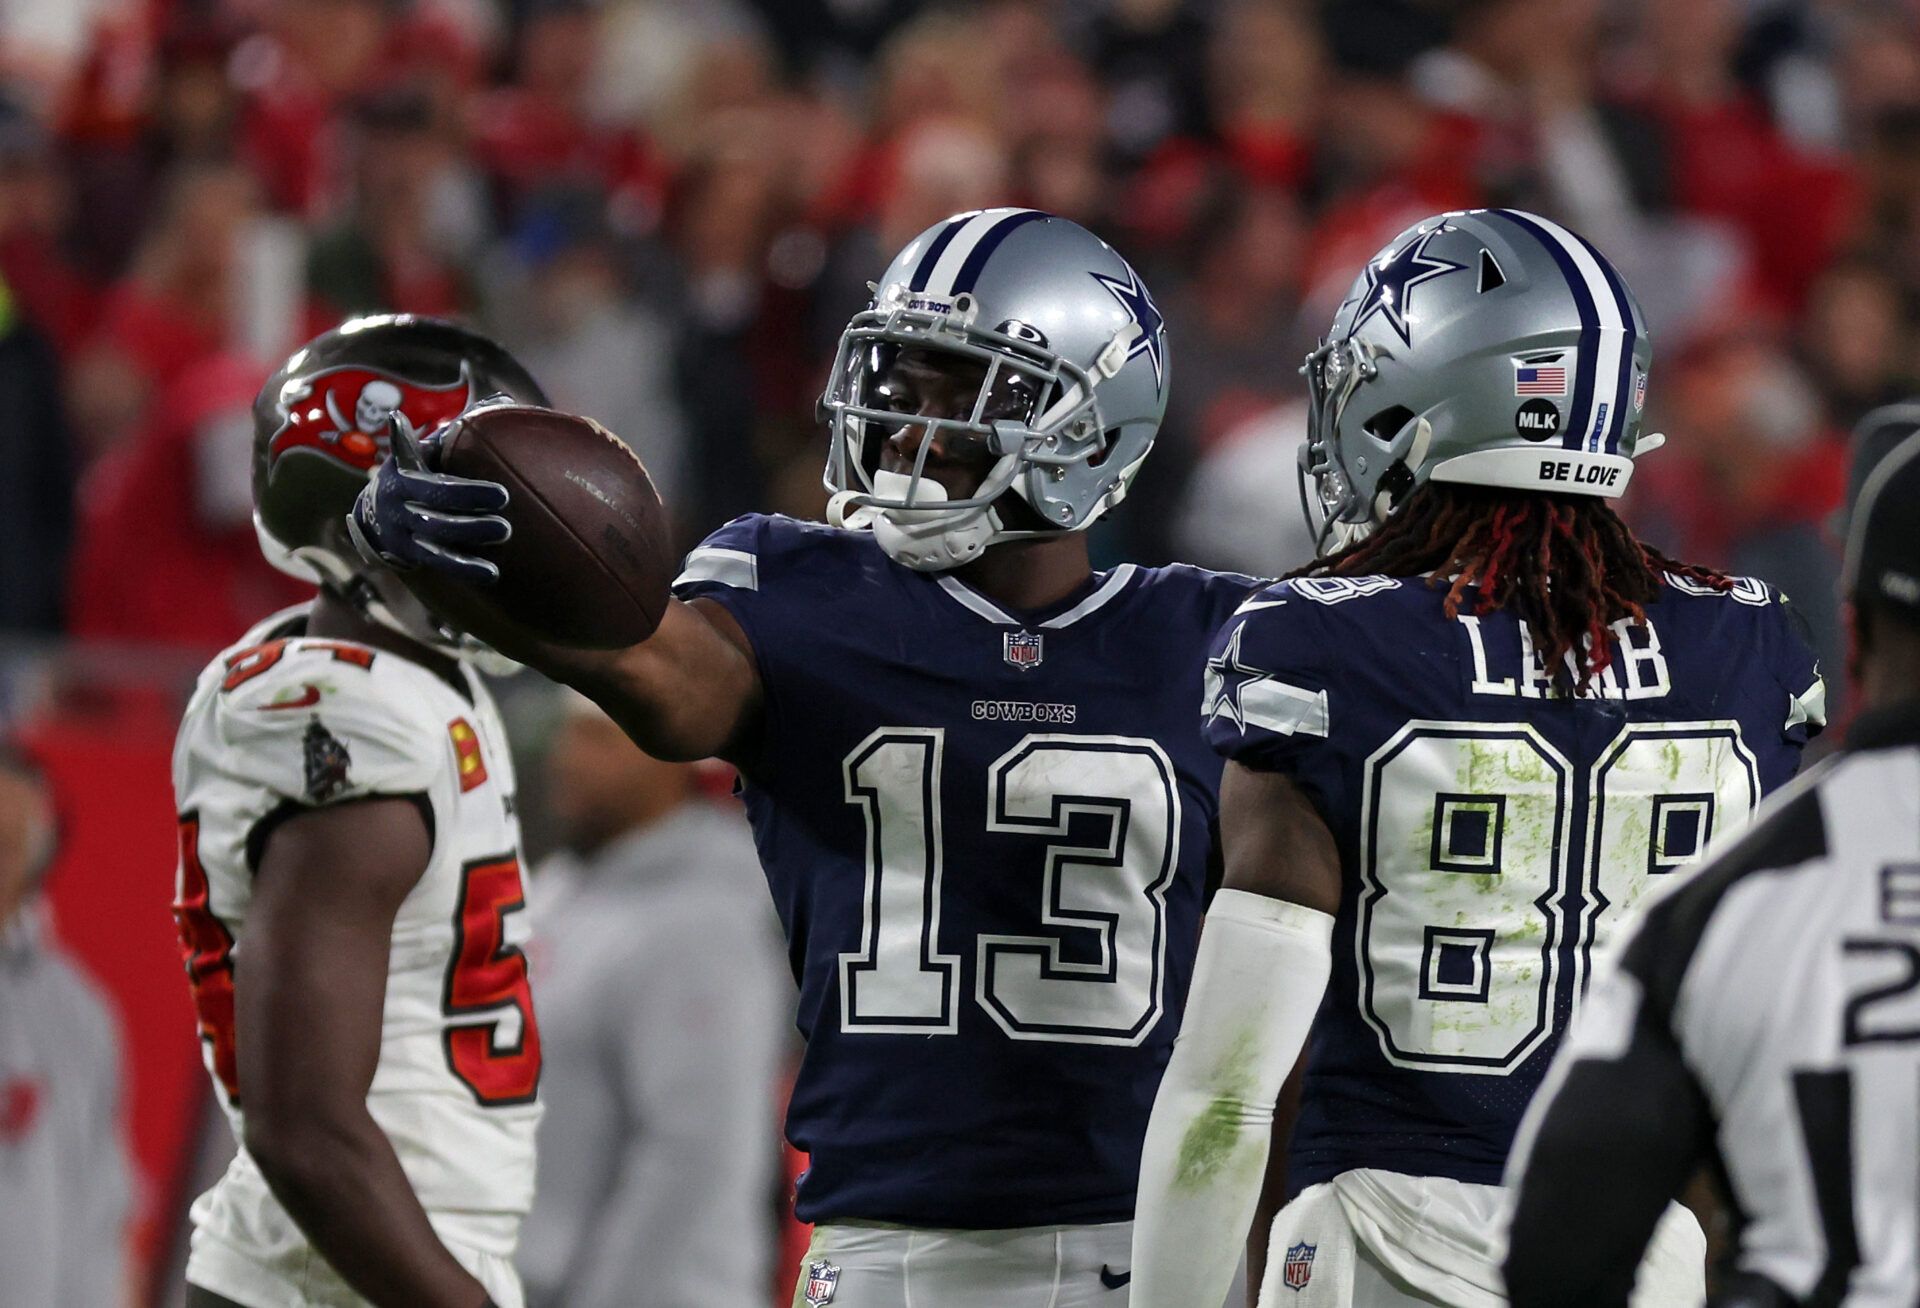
1565,565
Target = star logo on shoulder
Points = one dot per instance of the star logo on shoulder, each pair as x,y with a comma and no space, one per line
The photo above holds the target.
1390,283
1227,680
1140,307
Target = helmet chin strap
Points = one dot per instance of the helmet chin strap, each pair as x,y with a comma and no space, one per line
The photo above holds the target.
411,619
931,539
359,589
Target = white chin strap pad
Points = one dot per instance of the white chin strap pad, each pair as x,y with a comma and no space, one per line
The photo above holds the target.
934,539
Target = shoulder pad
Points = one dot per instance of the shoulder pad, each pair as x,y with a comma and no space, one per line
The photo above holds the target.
1745,590
1338,590
319,721
741,555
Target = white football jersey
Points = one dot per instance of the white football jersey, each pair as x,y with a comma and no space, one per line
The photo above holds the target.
280,724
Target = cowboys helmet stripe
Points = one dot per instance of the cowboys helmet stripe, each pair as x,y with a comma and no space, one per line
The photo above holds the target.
1606,338
969,274
958,256
954,251
1580,409
936,248
1624,391
1616,343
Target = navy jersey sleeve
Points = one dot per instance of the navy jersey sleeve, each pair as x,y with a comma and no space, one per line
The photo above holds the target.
726,567
1790,655
729,568
1266,701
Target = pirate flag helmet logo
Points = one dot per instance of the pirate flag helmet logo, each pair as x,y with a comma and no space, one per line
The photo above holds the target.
343,412
320,425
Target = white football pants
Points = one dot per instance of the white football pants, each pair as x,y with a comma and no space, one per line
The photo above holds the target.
1371,1239
870,1265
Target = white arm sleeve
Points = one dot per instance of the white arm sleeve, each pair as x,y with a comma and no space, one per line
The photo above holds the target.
1261,972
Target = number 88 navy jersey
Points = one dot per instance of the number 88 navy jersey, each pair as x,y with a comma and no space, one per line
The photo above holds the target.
988,837
1491,833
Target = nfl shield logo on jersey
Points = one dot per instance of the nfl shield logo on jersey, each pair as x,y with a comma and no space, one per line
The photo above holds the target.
1298,1269
822,1277
1022,649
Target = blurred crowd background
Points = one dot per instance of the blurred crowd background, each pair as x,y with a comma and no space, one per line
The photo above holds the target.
669,208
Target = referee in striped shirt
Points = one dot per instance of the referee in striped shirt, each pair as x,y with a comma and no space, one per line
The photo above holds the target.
1764,1019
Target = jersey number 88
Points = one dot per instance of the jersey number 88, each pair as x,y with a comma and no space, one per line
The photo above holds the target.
1469,871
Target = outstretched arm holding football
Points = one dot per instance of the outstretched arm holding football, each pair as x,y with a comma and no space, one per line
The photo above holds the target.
688,690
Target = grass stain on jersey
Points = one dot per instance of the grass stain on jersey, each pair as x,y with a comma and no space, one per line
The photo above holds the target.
1493,766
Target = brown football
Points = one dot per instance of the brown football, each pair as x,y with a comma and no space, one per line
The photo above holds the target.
591,555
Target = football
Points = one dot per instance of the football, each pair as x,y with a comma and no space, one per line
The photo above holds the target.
591,555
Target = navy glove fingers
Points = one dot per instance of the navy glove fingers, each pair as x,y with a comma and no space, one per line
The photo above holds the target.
461,567
457,528
444,493
408,516
360,532
404,443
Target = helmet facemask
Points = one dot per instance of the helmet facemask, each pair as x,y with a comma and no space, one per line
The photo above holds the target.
1344,516
1034,414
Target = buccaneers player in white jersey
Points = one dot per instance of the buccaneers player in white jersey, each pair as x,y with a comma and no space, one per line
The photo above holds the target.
349,886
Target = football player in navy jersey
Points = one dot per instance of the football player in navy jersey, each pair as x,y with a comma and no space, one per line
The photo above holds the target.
1463,743
969,759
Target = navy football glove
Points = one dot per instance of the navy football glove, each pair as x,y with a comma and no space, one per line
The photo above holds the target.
412,516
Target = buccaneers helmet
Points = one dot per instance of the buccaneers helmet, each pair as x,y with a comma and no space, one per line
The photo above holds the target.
320,429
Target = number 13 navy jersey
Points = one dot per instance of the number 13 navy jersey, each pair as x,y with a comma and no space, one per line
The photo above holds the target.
1491,833
988,836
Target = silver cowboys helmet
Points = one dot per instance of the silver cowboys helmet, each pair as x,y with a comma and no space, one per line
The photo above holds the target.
1489,347
1074,354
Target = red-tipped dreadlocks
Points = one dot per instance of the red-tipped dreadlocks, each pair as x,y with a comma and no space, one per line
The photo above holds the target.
1566,566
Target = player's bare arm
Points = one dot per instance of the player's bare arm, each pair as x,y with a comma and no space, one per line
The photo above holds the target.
1263,967
1275,842
689,691
309,993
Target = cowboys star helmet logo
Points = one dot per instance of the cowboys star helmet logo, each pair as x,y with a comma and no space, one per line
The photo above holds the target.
343,412
1390,284
1140,307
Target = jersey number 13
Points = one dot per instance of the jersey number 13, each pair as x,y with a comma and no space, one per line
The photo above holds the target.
1107,895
